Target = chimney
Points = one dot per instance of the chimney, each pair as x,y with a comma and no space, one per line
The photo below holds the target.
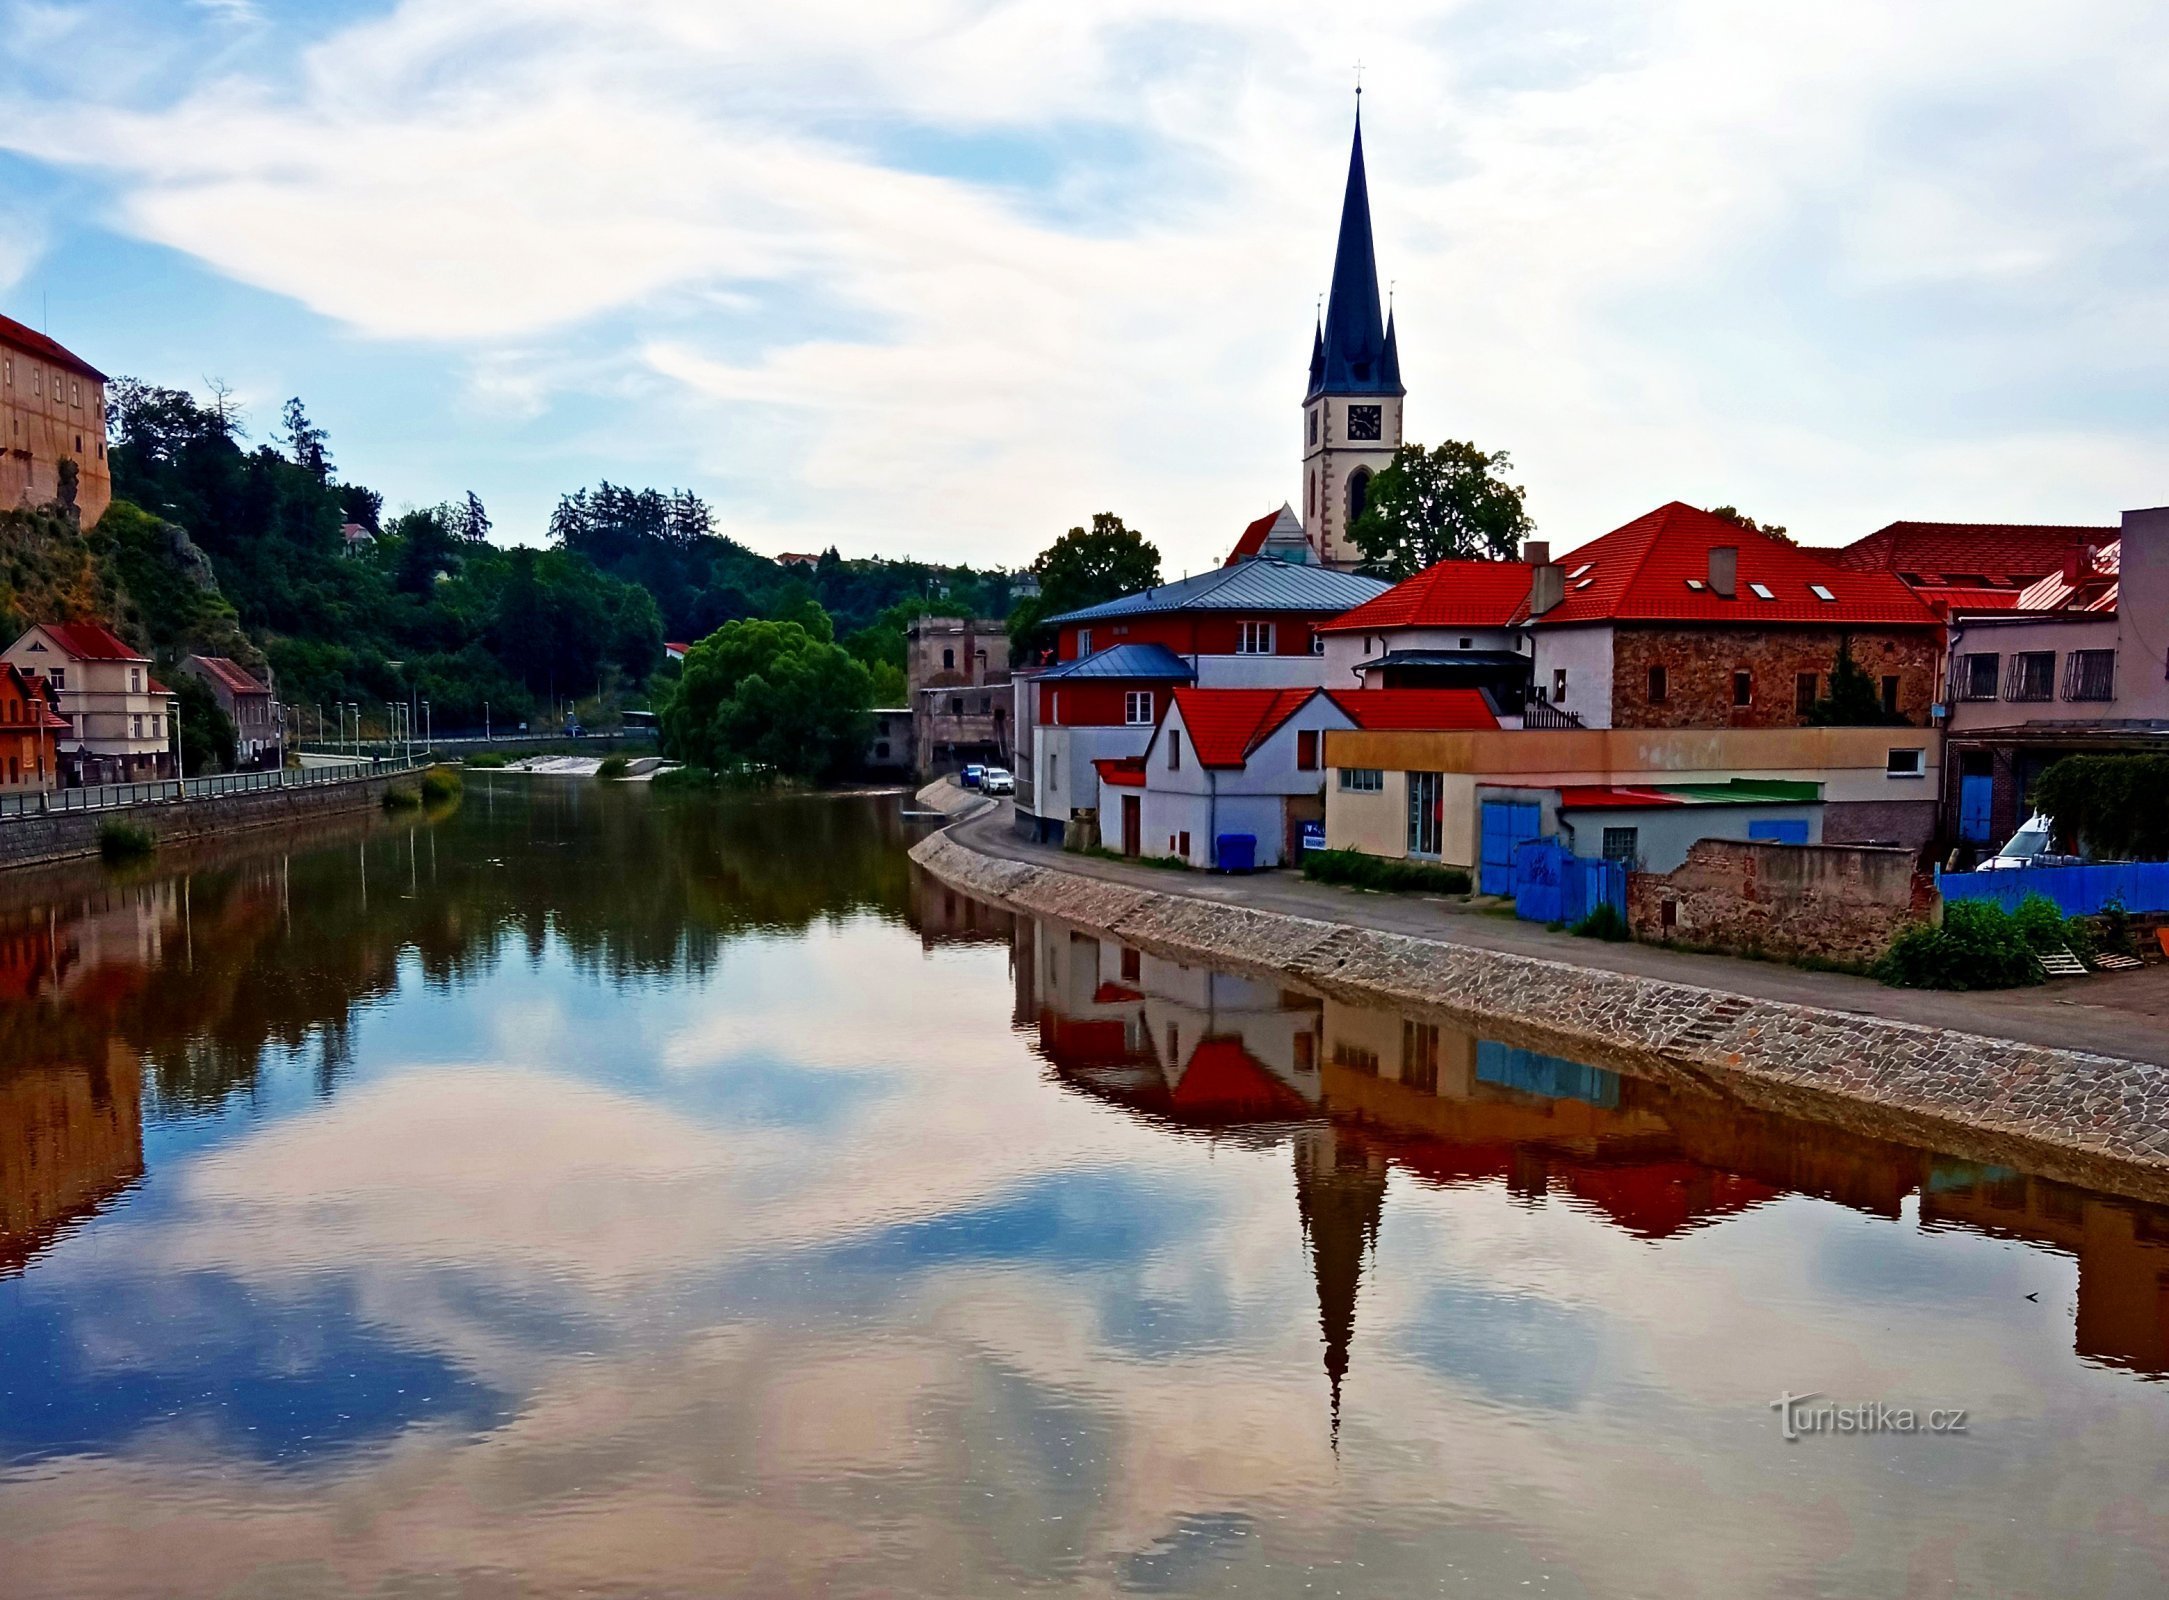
1725,569
1547,584
2078,564
1536,551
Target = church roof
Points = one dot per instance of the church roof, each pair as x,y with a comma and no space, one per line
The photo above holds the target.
1354,355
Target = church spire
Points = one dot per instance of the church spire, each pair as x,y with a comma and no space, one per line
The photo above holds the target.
1354,337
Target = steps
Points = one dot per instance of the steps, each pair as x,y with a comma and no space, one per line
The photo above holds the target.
1716,1017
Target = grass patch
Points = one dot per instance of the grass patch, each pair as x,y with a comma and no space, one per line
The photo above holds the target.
613,767
1603,922
1165,863
440,784
125,841
1359,871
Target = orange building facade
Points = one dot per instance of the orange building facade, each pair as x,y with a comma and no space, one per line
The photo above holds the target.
30,732
52,409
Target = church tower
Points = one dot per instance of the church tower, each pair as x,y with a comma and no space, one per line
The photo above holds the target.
1352,407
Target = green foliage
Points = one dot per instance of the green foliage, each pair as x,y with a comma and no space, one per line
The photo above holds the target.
1852,700
1979,946
1773,530
686,777
125,841
1360,871
612,767
440,784
1603,921
2118,804
485,762
207,733
1451,502
769,696
402,797
1084,567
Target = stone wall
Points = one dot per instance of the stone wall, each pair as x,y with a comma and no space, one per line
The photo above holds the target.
1699,664
1836,902
26,841
2098,1121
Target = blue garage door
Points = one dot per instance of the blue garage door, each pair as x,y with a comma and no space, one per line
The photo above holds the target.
1505,824
1778,832
1976,801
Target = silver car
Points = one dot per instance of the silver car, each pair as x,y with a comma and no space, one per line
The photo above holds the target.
997,780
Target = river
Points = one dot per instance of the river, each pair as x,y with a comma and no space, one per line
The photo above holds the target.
587,1191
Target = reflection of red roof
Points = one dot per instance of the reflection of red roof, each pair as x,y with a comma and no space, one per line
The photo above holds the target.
1452,594
1115,994
1415,710
1931,553
1253,538
1124,772
90,641
1657,1199
1656,569
232,674
32,342
1224,1079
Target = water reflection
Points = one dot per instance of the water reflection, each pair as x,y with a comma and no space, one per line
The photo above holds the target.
590,1192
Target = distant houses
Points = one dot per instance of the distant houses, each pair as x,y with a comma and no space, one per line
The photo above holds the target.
119,717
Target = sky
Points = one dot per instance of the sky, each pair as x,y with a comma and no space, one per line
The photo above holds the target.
943,279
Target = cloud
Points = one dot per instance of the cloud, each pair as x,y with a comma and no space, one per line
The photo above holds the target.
946,278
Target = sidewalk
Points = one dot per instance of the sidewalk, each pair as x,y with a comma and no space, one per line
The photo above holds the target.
2122,1014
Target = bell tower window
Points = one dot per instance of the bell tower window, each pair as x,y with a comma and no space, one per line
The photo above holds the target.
1359,492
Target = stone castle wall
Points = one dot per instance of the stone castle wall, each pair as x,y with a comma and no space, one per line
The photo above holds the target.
1699,666
1836,902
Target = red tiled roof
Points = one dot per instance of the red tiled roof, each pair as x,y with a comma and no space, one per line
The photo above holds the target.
2001,552
156,687
1944,598
1452,594
90,641
1656,569
32,342
1227,724
1253,539
232,674
2095,588
1415,710
1124,772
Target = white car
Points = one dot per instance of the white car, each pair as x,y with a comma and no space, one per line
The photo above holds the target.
2031,846
997,780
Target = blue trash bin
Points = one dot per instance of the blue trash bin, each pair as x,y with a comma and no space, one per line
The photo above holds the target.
1237,852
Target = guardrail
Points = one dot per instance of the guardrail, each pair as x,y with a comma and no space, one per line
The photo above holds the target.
171,791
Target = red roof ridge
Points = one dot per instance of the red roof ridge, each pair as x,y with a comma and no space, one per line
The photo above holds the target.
90,641
1459,592
32,342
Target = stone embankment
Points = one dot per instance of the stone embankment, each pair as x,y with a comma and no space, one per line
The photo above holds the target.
66,836
2093,1120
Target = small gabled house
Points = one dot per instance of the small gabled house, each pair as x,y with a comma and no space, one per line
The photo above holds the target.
1249,764
119,718
1454,625
248,705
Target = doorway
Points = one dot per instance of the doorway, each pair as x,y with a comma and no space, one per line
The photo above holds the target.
1133,824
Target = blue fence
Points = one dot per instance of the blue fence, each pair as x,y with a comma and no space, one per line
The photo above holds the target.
2077,891
1551,884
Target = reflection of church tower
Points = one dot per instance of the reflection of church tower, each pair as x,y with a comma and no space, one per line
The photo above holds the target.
1340,1192
1352,404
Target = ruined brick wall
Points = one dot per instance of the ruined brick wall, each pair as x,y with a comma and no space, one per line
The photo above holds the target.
1835,902
1699,663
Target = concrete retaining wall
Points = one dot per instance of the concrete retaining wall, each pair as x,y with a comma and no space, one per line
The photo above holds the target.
2097,1121
1838,902
27,841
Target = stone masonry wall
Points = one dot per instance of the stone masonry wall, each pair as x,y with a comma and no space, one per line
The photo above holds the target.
26,841
1837,902
2098,1121
1699,664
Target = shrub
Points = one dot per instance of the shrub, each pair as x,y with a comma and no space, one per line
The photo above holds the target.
440,784
1979,946
687,777
1360,871
125,841
1604,921
612,767
402,797
2119,804
492,760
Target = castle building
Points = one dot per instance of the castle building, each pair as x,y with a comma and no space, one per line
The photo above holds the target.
1352,404
52,409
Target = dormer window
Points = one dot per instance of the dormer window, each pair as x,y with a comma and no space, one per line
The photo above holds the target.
1697,585
1820,593
1581,571
1762,591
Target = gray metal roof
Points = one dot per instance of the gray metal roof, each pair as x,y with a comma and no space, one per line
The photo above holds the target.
1263,583
1124,661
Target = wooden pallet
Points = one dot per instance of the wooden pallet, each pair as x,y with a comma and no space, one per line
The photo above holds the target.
2116,963
2062,964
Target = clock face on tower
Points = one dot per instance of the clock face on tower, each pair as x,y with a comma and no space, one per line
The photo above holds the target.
1365,422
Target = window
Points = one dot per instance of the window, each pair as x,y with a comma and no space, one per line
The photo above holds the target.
1558,684
1978,675
1743,688
1254,638
1359,492
1426,792
1890,694
1623,844
2031,675
1137,707
135,725
956,705
58,678
1906,764
1133,965
1313,425
1174,749
948,661
1419,1055
2090,675
1362,780
1182,845
1317,642
1466,642
1820,593
75,397
1806,690
1084,641
1762,591
1306,750
1051,770
1659,686
135,680
1354,1058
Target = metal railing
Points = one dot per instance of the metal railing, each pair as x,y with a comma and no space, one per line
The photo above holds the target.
172,791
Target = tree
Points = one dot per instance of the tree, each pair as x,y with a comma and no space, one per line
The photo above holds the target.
1448,503
1084,567
305,441
1852,701
1734,514
2118,804
207,736
470,520
768,695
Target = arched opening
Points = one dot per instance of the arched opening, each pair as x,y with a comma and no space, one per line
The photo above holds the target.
1359,493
